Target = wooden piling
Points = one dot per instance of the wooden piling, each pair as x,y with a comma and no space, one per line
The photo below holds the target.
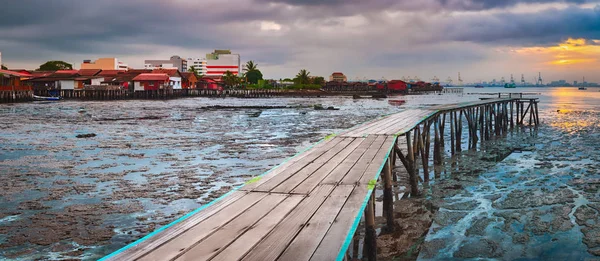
370,232
388,197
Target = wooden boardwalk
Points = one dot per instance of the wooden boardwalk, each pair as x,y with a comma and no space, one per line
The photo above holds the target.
308,208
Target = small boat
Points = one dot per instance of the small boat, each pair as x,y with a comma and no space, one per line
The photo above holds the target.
396,102
582,88
478,86
510,85
43,98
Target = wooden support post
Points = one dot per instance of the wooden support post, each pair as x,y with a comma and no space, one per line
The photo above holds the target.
424,159
388,196
414,186
442,127
458,132
393,157
437,157
537,114
370,232
452,133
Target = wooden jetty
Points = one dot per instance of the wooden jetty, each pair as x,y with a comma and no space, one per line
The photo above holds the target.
309,207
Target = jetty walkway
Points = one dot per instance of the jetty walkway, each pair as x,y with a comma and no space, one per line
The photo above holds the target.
309,207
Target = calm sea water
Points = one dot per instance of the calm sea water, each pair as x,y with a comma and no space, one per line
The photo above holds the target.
153,161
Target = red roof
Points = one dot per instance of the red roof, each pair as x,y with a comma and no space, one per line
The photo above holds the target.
170,72
41,73
152,77
66,72
108,73
337,73
11,73
89,72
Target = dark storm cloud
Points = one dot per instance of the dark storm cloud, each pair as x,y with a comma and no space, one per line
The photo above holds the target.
543,28
449,5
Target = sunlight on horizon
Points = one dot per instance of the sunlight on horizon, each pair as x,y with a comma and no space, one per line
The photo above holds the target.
570,52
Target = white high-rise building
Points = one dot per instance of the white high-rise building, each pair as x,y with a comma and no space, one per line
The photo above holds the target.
198,64
221,61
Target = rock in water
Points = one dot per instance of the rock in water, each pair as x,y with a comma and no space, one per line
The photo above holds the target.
89,135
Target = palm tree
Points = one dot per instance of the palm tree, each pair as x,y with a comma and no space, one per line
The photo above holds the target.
230,80
251,66
302,77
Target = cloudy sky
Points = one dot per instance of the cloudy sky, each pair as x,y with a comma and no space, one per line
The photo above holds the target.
482,39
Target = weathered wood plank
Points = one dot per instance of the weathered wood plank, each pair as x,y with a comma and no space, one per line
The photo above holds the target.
359,168
284,174
175,230
200,231
221,238
304,244
293,180
254,234
274,243
342,228
315,178
295,164
340,172
372,171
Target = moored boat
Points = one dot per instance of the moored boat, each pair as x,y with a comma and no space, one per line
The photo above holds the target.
44,98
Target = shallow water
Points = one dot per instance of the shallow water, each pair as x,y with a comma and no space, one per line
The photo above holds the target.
153,161
540,202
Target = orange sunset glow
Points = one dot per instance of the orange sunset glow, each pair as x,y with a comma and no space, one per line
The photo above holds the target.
570,52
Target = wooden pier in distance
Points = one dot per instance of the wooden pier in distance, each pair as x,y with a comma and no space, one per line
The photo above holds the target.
310,207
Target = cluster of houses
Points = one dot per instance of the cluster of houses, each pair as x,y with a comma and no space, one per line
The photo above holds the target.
96,79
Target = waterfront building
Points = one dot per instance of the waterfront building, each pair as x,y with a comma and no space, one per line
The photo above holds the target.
151,81
189,80
175,62
174,77
221,61
197,63
104,64
338,77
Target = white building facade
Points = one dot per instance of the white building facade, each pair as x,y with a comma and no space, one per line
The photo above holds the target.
221,61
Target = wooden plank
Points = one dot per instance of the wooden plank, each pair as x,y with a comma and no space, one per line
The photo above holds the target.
175,230
303,246
406,116
221,238
342,228
284,173
315,178
340,171
254,234
409,122
275,242
294,164
195,234
373,170
359,168
293,179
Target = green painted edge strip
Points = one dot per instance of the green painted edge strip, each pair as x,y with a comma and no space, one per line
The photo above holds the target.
255,179
350,235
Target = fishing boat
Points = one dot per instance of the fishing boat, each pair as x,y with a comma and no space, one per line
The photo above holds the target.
510,85
44,98
396,102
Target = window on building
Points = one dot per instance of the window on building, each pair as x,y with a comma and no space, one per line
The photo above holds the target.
150,83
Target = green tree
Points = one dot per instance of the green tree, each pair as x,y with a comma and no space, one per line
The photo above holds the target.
4,67
254,76
318,80
303,77
196,72
55,66
230,80
251,66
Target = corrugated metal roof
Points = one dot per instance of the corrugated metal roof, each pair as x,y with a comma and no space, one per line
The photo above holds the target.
152,77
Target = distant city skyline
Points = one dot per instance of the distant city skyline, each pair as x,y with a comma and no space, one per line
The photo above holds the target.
482,39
